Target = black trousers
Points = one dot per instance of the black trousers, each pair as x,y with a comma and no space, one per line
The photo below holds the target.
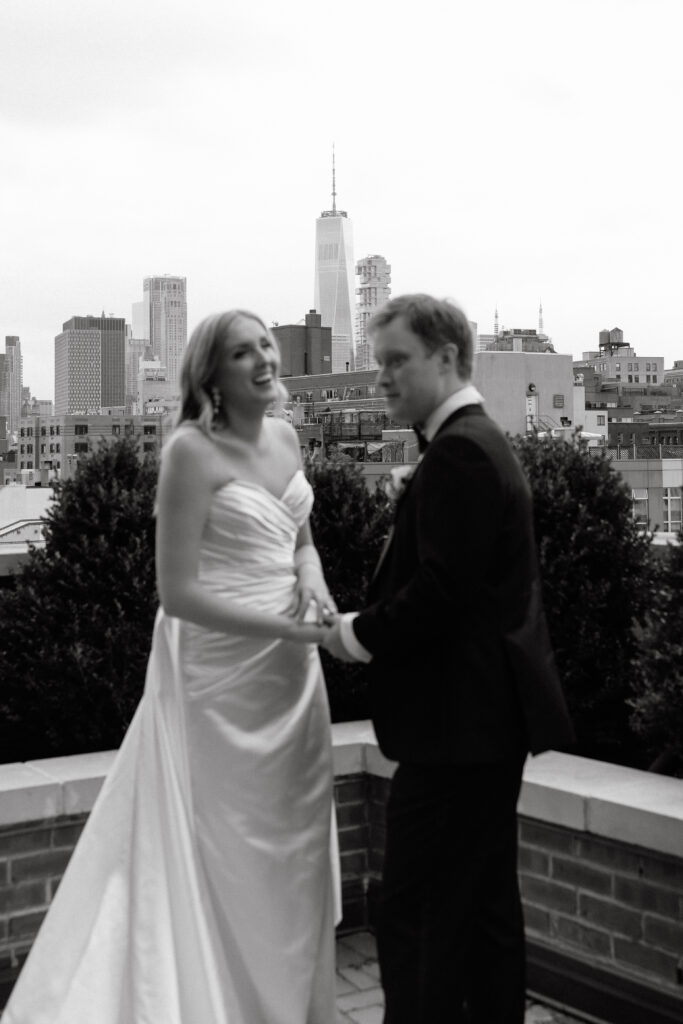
450,932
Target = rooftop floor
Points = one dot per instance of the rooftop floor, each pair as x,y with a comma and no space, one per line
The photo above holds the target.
359,994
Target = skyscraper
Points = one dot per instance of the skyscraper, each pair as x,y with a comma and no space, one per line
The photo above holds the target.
78,369
165,320
112,336
12,382
334,279
373,292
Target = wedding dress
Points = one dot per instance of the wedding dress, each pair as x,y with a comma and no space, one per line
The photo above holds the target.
204,888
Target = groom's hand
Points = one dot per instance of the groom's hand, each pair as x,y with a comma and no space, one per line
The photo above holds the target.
332,641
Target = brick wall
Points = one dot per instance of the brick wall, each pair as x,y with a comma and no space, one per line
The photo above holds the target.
601,865
33,857
608,901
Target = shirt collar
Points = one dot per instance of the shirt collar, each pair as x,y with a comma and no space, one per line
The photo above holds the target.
465,396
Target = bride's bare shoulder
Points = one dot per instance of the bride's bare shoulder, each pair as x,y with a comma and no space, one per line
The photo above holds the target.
187,443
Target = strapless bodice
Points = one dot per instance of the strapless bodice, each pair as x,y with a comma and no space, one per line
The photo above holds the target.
250,534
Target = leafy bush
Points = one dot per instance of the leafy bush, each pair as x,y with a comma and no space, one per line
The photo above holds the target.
599,580
78,624
349,524
657,707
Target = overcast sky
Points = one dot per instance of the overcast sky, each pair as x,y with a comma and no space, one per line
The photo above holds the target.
495,152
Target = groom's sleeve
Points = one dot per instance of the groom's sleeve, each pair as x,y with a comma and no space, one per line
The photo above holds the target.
349,639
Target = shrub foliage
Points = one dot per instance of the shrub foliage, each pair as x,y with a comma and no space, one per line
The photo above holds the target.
349,524
599,580
657,705
77,627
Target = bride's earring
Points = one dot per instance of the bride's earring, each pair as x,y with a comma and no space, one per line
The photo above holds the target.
217,401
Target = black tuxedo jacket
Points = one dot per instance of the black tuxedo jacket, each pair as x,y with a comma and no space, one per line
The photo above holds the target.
462,669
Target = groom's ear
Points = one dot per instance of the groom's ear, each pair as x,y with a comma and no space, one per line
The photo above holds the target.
448,357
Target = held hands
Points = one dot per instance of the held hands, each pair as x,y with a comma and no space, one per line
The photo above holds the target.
311,590
332,641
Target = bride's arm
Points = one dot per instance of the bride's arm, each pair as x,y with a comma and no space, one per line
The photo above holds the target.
185,489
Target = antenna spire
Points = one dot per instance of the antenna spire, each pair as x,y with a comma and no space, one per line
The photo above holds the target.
540,317
495,323
334,186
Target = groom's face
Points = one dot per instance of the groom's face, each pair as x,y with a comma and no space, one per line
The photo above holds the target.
409,377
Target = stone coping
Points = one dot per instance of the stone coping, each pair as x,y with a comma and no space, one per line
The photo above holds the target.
623,804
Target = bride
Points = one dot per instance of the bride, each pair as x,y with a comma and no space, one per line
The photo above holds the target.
205,885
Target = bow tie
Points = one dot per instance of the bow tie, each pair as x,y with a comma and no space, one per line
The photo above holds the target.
422,441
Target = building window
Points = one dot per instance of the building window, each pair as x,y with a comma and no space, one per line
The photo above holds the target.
630,367
149,428
639,507
81,428
673,519
149,446
617,366
116,429
630,378
558,401
80,447
29,448
654,378
647,378
57,447
57,429
637,378
42,431
601,421
21,432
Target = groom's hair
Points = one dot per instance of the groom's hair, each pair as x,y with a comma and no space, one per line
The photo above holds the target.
436,322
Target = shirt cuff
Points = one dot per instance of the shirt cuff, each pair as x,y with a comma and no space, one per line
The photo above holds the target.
349,639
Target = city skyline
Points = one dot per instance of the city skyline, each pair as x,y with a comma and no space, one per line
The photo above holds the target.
497,155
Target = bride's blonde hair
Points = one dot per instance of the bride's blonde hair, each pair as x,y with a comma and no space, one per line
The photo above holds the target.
200,367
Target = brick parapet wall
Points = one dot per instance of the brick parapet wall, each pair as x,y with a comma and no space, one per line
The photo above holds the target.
600,853
614,903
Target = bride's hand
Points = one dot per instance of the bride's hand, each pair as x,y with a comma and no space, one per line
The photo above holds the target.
307,633
311,589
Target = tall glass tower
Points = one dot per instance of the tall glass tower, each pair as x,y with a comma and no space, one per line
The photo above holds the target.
334,280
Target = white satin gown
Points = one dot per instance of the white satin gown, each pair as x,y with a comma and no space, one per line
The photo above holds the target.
204,888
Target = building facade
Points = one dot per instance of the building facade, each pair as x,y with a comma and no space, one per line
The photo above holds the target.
78,371
616,360
304,347
373,291
51,446
14,382
136,349
153,387
334,280
165,320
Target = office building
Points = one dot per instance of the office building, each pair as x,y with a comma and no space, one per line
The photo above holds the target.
304,347
78,371
14,382
334,280
373,291
137,348
164,321
90,364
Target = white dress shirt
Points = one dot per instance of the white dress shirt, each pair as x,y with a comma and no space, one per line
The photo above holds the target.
468,395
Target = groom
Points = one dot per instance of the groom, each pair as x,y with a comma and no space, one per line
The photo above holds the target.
462,680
